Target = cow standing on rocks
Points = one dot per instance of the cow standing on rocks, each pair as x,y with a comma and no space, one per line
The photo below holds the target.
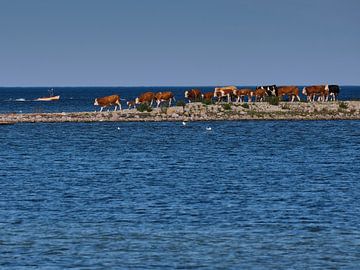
103,102
147,97
164,96
131,104
333,92
207,96
259,94
315,90
193,95
271,90
290,91
242,93
223,92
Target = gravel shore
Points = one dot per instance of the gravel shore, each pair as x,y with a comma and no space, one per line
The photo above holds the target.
201,112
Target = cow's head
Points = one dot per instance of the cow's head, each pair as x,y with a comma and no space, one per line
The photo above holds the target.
304,91
137,100
96,102
327,88
269,91
186,94
273,90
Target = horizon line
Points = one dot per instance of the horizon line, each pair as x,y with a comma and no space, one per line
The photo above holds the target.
134,86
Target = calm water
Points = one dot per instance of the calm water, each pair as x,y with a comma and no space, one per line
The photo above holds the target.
246,195
82,98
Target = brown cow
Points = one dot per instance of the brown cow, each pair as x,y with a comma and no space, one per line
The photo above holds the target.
164,96
290,91
131,104
147,97
207,96
193,95
227,91
240,94
103,102
260,94
315,90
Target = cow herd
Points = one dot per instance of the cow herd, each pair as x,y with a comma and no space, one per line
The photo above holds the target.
228,94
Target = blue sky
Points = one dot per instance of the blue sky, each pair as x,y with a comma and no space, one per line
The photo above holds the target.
187,42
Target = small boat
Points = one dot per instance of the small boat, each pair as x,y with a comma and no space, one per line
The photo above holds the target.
48,98
51,97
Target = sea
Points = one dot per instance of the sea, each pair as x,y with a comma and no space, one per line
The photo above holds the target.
205,195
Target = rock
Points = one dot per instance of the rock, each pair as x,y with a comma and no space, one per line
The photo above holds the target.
175,110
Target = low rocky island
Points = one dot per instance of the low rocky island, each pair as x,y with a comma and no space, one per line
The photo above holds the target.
197,111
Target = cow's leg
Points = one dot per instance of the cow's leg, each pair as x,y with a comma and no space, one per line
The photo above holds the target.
101,109
170,102
119,104
115,107
298,98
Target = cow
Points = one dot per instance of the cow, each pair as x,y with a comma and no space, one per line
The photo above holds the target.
290,91
193,95
333,91
131,104
240,94
271,90
147,97
315,90
260,94
164,96
207,96
103,102
227,91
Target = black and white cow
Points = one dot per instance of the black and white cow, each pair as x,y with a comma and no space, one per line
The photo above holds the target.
271,90
333,91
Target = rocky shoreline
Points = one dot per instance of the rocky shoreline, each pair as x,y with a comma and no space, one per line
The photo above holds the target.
346,110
